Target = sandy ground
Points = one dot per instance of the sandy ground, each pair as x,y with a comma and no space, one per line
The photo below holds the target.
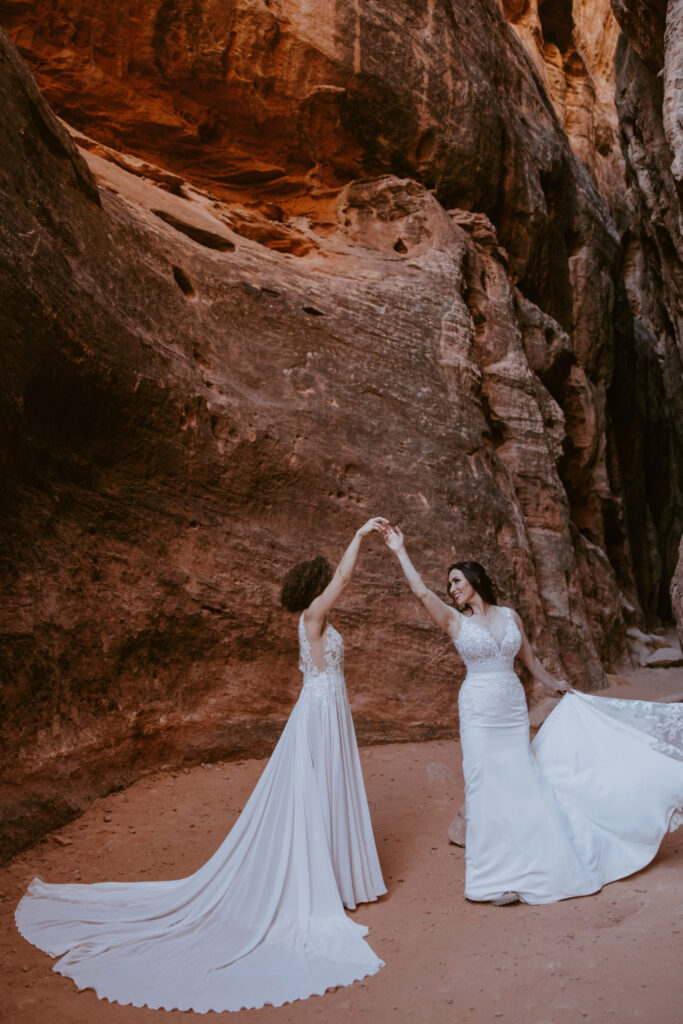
614,957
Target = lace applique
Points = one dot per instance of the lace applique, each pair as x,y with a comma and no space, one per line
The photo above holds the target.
476,644
662,723
491,696
491,687
325,694
323,686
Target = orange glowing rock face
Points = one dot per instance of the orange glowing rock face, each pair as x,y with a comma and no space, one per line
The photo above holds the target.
305,263
286,102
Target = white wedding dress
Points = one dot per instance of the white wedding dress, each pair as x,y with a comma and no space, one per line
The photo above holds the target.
586,803
262,921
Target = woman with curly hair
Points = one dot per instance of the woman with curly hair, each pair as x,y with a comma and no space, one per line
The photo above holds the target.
263,920
312,589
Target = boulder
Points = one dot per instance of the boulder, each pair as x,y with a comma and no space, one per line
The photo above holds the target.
665,657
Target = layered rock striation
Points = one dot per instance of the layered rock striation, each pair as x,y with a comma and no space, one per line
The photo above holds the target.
649,367
610,73
308,263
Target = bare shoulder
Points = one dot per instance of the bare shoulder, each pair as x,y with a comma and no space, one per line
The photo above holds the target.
313,620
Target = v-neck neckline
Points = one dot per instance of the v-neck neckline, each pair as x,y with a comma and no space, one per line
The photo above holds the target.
499,643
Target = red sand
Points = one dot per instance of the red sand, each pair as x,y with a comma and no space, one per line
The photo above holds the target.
614,957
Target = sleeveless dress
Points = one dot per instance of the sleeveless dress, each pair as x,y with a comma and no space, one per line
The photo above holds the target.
588,802
262,921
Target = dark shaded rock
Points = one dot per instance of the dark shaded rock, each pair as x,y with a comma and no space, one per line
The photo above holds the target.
645,397
210,239
643,22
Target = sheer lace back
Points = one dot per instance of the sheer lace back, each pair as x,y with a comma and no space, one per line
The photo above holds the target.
324,686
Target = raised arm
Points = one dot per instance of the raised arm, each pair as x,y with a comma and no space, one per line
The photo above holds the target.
526,653
445,617
315,614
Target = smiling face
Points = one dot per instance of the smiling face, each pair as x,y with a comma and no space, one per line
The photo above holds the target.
460,589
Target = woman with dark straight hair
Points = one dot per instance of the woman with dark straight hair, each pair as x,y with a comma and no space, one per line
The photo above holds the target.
263,920
589,801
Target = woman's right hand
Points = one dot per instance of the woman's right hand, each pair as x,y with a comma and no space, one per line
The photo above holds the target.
393,538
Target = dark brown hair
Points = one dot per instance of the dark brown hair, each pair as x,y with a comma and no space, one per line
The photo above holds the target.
304,583
476,575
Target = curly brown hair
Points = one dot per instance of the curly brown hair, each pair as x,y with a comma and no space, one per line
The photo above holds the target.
304,583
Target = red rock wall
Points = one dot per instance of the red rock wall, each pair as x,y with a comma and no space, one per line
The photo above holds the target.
649,364
606,89
370,275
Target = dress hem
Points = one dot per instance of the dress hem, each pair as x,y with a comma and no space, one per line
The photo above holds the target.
192,1009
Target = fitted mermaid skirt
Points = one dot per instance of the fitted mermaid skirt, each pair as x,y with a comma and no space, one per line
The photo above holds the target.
263,920
588,802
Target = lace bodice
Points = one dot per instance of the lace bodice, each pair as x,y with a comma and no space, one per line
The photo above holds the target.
479,649
323,686
491,691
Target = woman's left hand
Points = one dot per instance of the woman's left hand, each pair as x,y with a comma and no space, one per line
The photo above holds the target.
561,686
378,523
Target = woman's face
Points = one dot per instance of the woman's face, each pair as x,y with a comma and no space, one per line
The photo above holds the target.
460,589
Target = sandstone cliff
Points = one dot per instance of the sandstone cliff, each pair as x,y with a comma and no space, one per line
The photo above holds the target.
341,260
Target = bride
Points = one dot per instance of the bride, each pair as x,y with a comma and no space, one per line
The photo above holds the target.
589,801
263,920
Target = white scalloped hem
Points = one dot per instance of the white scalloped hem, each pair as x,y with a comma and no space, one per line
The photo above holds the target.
220,1009
350,978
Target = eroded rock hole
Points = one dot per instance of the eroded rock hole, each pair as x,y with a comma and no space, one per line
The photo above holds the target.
557,23
251,289
312,311
210,239
400,246
426,146
183,281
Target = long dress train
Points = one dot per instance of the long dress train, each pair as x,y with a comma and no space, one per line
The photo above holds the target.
588,802
262,921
